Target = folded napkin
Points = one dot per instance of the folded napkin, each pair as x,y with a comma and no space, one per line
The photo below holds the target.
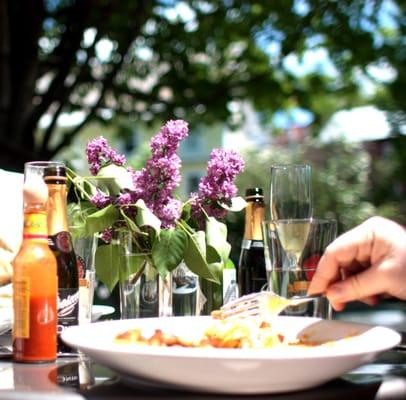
11,216
6,308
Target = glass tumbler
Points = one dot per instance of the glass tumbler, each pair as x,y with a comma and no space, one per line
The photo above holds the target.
293,249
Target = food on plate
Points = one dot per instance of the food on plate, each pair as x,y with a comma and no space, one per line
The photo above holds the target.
233,333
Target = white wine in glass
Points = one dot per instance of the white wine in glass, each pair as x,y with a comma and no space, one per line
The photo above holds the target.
293,236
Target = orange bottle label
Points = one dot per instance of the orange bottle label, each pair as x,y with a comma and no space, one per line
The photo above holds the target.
21,308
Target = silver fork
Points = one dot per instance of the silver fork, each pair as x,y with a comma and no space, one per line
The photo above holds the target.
265,303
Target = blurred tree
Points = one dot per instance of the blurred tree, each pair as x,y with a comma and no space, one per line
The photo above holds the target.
160,59
348,184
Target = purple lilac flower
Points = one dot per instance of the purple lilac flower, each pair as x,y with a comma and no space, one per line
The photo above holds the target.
124,201
169,211
168,139
155,183
99,153
107,235
218,184
100,200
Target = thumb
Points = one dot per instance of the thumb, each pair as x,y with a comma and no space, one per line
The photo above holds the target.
356,287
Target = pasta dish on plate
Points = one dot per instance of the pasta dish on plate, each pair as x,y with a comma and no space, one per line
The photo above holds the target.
245,333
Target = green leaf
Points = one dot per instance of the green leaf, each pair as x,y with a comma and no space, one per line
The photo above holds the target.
212,255
145,217
77,214
106,260
130,223
218,249
237,204
113,265
217,270
83,186
229,264
168,251
113,179
102,219
186,211
195,256
130,265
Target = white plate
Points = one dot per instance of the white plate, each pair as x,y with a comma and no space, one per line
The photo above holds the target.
101,311
241,371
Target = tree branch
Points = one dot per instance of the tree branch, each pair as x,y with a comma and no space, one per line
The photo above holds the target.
25,24
63,100
5,99
68,46
133,31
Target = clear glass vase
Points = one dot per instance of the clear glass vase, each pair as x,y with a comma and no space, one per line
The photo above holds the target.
186,292
143,292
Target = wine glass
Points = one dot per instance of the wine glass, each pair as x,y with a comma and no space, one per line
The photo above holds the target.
291,201
291,191
291,209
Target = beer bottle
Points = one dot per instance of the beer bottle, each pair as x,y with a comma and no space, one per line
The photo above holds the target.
35,283
251,264
60,242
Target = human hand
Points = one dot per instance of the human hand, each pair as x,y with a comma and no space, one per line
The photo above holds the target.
363,263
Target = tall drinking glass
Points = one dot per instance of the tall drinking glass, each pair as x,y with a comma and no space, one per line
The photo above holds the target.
307,238
291,191
291,198
34,175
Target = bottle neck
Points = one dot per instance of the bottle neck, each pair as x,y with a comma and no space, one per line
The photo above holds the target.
35,223
254,215
57,209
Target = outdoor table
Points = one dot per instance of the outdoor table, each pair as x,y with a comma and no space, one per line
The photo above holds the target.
78,377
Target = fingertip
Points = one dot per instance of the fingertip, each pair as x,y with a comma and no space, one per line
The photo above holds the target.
338,306
370,300
336,296
312,289
335,292
316,287
318,284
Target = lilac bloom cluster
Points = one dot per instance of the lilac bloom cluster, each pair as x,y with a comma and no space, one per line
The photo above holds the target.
218,184
100,200
156,182
99,153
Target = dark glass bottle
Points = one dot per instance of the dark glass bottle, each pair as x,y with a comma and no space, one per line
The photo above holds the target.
251,265
60,242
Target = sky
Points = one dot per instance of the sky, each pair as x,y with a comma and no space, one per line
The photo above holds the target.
356,125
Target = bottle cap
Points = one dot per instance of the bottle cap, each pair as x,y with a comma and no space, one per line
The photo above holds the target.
254,193
55,173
